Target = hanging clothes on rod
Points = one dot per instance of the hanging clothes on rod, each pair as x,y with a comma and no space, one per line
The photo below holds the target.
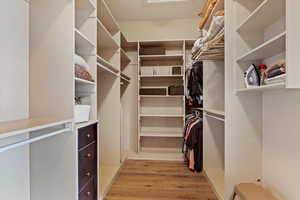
194,84
193,140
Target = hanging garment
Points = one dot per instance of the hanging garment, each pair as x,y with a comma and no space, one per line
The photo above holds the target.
195,83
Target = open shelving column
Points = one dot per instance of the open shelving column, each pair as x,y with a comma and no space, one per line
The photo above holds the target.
160,117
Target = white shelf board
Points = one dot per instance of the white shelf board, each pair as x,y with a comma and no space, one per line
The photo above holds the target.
85,124
161,134
107,64
161,76
267,13
125,60
84,5
162,115
84,82
106,69
161,57
161,96
81,41
214,111
270,48
106,17
263,88
216,177
18,127
162,43
105,40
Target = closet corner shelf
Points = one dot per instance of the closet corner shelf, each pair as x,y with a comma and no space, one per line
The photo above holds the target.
18,127
177,57
168,135
105,39
106,17
81,41
106,64
214,111
125,78
104,68
84,82
162,115
85,5
276,86
265,14
125,60
216,177
85,124
270,48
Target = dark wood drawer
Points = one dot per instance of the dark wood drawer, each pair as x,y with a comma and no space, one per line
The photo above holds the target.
87,135
87,164
90,190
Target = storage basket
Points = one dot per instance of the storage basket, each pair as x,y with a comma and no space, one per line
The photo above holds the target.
176,90
153,91
82,113
176,70
153,51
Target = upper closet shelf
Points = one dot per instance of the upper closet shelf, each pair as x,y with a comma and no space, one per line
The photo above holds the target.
165,43
214,111
177,57
18,127
106,69
125,78
264,15
263,88
105,39
125,60
106,17
270,48
105,64
85,5
82,42
84,82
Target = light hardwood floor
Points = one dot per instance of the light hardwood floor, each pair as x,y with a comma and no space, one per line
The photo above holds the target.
159,180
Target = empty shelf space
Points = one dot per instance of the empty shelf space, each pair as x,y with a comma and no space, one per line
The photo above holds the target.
106,64
81,41
105,39
177,57
12,128
161,134
263,88
270,48
216,176
125,60
106,17
266,14
125,77
85,5
84,82
165,44
104,68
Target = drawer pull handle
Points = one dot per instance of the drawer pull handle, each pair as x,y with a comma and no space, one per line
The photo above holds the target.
89,155
88,193
88,174
88,135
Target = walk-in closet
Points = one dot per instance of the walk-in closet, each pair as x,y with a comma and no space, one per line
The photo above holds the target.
149,99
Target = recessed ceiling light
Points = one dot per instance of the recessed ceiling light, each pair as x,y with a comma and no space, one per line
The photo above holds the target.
164,1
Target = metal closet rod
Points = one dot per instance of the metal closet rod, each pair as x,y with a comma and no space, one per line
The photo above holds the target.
31,140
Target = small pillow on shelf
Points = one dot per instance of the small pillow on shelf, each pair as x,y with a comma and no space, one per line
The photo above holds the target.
78,60
81,72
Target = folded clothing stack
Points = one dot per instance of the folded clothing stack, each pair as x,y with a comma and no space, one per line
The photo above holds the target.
82,69
274,74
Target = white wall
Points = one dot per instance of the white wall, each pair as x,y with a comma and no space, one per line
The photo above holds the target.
160,29
14,173
281,143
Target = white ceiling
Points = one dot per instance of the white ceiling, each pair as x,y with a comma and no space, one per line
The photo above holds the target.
139,10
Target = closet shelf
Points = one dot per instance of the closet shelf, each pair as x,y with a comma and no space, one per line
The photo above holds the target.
19,127
161,96
214,111
85,124
177,57
270,48
82,42
84,6
106,18
216,176
125,78
106,69
106,64
84,82
162,76
155,134
105,39
214,50
264,15
263,88
162,43
125,60
162,115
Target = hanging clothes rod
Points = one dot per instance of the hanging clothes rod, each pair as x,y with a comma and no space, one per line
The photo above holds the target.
31,140
214,117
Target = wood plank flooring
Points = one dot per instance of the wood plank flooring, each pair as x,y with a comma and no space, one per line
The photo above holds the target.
159,180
